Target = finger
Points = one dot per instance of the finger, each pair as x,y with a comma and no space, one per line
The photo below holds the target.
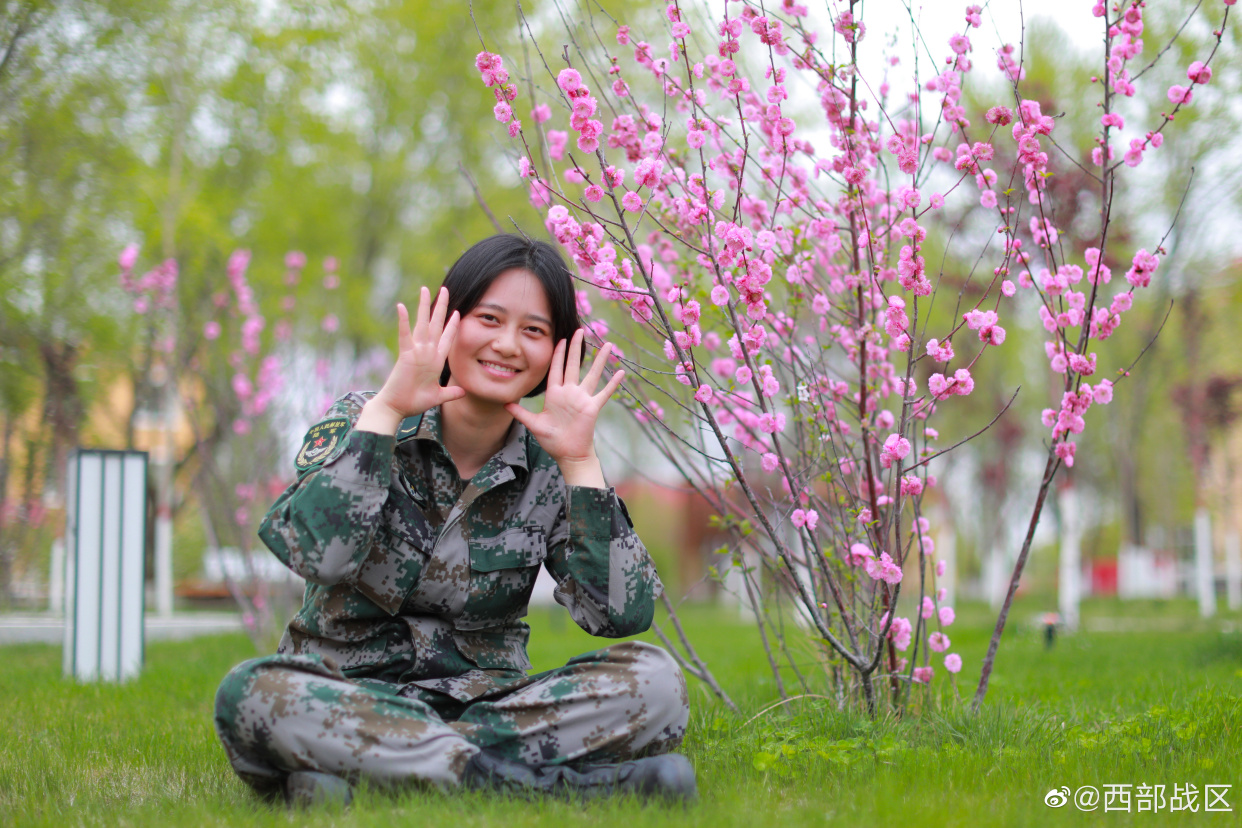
405,340
556,371
614,382
451,392
520,414
449,336
597,368
439,312
573,361
424,310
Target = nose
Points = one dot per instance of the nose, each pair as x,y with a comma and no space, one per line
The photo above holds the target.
506,342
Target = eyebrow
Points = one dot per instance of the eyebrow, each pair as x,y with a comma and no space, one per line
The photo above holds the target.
534,316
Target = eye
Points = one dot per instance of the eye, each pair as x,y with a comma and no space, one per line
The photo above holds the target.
487,317
536,330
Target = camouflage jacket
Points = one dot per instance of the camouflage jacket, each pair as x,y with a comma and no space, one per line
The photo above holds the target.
404,589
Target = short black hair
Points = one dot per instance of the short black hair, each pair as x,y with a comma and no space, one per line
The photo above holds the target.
472,274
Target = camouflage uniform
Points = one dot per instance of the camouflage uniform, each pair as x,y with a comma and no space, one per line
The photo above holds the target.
409,652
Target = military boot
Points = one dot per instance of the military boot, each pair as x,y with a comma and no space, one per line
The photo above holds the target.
308,789
669,777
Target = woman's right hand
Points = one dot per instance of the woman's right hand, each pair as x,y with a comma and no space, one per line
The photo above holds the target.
413,386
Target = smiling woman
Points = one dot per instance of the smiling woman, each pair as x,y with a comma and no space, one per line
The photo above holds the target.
420,535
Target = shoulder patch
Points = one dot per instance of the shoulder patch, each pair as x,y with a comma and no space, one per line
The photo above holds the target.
409,427
320,441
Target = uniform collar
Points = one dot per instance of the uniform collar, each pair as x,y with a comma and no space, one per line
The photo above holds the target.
512,453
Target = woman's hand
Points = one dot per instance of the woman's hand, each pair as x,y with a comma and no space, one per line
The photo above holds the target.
565,428
413,386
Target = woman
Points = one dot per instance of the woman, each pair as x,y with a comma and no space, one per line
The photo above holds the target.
420,518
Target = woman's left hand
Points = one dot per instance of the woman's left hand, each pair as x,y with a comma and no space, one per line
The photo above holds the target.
565,428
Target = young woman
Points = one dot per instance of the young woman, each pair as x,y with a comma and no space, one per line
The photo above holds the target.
420,517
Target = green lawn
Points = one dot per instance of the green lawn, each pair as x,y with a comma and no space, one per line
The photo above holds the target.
1157,699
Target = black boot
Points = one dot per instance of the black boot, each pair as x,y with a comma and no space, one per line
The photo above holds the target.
308,789
669,777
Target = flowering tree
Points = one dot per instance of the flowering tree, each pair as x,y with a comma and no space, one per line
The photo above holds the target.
789,342
241,411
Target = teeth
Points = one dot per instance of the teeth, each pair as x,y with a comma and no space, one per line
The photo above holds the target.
504,368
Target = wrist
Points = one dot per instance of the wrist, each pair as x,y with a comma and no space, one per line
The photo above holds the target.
378,417
582,471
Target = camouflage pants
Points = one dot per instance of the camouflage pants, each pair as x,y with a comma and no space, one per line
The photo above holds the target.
295,712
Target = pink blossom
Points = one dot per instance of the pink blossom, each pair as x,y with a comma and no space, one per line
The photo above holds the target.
769,462
696,138
241,426
1103,393
899,631
923,675
1142,268
1066,451
330,323
704,394
1180,94
1112,119
211,330
929,607
594,193
938,642
569,80
859,553
541,113
632,201
941,567
999,115
946,614
895,448
295,260
128,257
988,199
1199,72
503,112
884,569
911,486
953,663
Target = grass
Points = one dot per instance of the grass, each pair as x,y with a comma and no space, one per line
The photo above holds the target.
1158,704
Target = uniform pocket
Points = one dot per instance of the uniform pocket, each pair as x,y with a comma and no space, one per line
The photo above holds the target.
516,548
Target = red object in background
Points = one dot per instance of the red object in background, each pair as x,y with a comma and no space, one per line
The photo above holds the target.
1104,576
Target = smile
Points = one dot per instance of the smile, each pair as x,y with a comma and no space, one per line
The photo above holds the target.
496,367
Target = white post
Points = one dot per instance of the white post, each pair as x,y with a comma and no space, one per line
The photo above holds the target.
1233,570
1205,587
1070,563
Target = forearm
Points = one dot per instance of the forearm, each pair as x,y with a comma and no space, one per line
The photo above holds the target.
378,418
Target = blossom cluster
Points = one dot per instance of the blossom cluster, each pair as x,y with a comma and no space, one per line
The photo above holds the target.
783,282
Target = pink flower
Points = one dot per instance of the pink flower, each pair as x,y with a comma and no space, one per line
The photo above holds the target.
999,116
1103,393
988,199
503,112
330,264
696,138
704,394
923,675
541,113
899,631
895,448
594,193
911,486
295,260
929,607
1199,72
1142,268
859,553
941,566
770,462
1066,451
1112,119
569,80
128,257
884,570
960,44
953,663
946,614
330,323
938,641
211,330
632,202
720,295
1180,94
241,426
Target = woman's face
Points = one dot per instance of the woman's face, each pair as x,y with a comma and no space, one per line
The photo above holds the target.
504,344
